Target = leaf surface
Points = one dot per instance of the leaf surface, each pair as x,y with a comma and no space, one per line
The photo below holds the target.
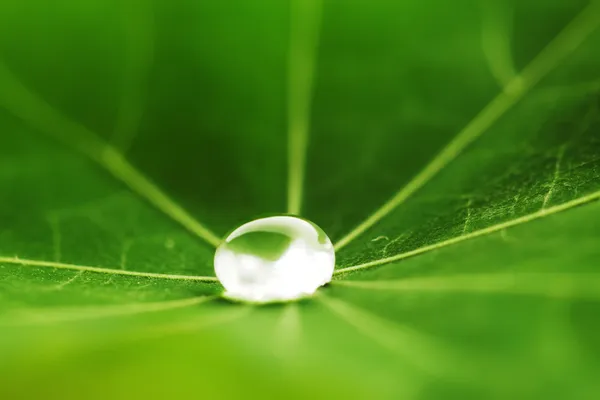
451,150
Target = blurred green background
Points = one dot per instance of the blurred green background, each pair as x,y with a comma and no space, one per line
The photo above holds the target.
135,133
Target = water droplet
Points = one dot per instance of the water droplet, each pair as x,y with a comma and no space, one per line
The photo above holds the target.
274,259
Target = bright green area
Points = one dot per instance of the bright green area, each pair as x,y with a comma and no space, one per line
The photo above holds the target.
194,93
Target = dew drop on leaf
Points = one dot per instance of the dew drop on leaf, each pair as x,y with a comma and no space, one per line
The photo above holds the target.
274,259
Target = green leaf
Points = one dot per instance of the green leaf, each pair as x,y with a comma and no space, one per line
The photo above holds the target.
450,149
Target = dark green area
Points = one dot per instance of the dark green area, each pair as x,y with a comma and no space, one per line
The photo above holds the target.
194,93
267,245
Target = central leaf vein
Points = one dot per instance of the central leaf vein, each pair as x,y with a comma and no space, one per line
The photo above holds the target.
304,38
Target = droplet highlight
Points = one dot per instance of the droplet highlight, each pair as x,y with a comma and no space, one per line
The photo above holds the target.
274,259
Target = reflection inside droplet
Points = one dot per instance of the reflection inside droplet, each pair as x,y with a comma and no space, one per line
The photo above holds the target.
274,259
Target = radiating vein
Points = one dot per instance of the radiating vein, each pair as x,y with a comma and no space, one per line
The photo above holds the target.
546,284
26,105
482,232
138,42
288,331
71,314
304,37
495,38
100,270
417,349
562,45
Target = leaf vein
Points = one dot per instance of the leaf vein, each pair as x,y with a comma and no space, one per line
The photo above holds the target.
101,270
28,106
304,38
482,232
563,44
